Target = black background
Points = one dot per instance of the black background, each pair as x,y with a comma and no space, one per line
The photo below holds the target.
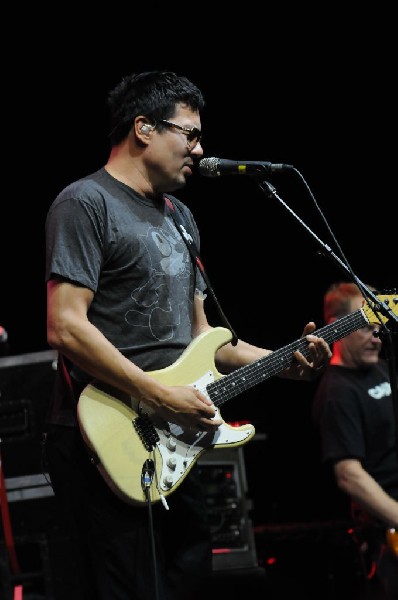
314,91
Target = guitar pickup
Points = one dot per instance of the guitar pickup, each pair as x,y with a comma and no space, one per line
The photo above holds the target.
146,431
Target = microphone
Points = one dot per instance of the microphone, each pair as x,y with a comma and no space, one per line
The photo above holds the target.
215,167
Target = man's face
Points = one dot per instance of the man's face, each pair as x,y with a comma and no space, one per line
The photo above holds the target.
171,154
361,348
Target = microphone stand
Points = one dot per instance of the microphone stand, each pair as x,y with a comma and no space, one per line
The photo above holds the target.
270,191
380,307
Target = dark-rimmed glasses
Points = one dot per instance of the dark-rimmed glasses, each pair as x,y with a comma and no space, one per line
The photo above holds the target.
194,135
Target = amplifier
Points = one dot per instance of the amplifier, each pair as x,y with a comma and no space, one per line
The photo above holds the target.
223,475
25,385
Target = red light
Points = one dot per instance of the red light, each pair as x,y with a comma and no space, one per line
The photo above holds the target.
238,423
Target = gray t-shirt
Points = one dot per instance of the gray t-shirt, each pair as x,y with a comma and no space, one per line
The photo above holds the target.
126,248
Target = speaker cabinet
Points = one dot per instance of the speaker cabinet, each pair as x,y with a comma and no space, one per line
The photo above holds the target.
25,386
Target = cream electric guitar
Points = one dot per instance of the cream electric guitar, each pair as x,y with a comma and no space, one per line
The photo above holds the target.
131,446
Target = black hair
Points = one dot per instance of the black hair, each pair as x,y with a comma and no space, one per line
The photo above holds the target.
154,94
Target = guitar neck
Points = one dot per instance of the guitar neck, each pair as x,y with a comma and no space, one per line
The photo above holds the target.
255,373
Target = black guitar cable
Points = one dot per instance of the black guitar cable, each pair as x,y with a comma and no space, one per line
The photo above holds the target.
147,473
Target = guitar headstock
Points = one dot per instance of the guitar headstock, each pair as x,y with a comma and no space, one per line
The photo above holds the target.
372,309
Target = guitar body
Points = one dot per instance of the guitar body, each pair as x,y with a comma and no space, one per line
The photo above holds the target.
121,444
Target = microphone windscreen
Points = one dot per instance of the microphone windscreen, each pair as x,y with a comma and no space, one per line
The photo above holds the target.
209,167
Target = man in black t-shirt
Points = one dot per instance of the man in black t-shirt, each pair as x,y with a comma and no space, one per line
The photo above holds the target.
125,301
354,411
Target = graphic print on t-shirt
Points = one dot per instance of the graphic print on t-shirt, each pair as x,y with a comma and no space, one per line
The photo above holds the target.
158,303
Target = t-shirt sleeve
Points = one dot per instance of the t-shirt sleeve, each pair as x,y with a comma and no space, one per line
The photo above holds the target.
74,241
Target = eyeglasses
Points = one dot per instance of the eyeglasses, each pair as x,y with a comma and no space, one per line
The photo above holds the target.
194,135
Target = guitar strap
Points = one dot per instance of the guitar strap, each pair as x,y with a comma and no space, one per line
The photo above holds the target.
182,226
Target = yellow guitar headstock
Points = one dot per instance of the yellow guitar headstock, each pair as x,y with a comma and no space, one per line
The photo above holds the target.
372,309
